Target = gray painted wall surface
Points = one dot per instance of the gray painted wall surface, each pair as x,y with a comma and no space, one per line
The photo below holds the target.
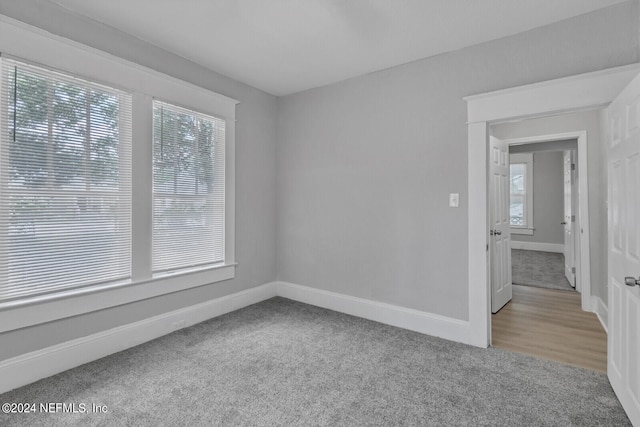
255,178
597,179
365,166
548,199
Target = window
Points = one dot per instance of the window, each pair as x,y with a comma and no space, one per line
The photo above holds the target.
92,198
188,188
518,197
521,193
65,182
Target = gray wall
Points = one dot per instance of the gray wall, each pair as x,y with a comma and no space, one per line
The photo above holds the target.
548,199
597,179
255,178
365,166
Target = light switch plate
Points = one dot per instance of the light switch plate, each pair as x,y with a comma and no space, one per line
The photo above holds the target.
454,200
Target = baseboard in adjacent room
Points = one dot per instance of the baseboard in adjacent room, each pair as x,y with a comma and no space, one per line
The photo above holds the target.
601,310
402,317
536,246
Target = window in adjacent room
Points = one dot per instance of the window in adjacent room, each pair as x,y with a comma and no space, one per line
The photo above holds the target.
521,193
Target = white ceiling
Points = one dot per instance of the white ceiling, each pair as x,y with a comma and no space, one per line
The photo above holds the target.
286,46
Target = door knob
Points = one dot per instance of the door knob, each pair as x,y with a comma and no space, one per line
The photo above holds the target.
630,281
563,223
495,232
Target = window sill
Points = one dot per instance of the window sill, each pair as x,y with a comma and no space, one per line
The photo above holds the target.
522,230
46,308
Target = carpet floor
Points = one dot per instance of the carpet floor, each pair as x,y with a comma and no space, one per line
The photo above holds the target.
281,362
540,269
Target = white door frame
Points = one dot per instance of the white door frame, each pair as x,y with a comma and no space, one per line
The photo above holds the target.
583,274
583,91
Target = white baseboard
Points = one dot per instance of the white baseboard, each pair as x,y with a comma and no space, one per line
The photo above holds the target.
601,310
30,367
535,246
402,317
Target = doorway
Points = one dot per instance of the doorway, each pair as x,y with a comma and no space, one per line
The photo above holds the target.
547,322
545,203
618,90
575,93
545,316
566,132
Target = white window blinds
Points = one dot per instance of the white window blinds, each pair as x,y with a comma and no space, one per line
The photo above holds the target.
188,188
65,182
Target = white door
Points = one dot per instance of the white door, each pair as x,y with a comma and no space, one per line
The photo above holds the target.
623,161
500,238
568,220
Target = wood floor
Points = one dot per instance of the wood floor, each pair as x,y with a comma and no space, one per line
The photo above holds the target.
550,324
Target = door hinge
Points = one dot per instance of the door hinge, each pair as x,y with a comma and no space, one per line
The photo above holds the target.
573,270
573,166
573,218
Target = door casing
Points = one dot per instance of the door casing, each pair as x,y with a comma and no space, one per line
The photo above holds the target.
569,94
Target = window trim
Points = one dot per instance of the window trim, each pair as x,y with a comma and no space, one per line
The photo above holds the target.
527,160
35,45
